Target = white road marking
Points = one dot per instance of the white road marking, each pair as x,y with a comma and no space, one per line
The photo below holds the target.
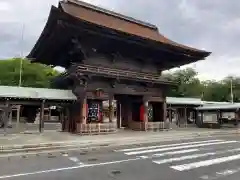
175,152
143,157
205,163
183,158
192,156
178,147
166,145
68,168
221,174
74,159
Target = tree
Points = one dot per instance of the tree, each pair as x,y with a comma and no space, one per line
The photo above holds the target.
33,74
188,85
215,91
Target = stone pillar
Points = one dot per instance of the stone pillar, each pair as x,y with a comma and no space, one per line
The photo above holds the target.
111,108
185,116
10,116
202,118
164,111
41,119
18,116
165,119
119,120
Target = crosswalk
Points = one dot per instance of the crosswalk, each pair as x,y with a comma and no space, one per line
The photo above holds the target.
188,155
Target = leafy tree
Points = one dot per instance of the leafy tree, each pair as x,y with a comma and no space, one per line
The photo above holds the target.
33,74
215,91
188,85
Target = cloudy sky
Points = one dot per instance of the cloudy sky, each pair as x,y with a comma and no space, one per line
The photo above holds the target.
213,25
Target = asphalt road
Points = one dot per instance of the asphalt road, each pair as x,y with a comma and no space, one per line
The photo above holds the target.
201,159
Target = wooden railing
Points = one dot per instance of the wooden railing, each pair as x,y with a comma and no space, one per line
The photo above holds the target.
116,72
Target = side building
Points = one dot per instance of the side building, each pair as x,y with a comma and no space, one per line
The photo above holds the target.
109,56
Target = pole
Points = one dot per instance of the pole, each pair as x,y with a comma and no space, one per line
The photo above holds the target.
21,57
231,91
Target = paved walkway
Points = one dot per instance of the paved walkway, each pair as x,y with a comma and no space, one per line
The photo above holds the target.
47,139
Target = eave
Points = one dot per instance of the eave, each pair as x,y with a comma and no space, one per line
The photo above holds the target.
60,24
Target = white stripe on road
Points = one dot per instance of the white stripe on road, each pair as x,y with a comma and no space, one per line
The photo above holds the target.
205,163
166,145
67,168
194,156
74,159
221,174
169,153
174,152
179,147
183,158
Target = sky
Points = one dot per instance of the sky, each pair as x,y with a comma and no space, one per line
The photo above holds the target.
212,25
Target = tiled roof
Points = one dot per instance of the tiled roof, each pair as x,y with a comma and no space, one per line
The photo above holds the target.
116,21
35,93
224,106
56,94
184,101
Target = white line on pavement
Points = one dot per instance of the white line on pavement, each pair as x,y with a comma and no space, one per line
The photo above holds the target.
183,158
74,159
175,152
178,147
166,145
220,174
193,156
168,153
205,163
68,168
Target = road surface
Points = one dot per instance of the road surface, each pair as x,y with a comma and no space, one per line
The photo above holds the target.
208,158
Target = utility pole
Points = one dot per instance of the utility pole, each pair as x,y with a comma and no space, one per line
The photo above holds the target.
21,57
231,84
20,74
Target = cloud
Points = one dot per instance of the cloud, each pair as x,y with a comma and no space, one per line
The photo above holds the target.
211,25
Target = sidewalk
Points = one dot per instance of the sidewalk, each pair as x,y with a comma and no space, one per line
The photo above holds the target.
51,140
